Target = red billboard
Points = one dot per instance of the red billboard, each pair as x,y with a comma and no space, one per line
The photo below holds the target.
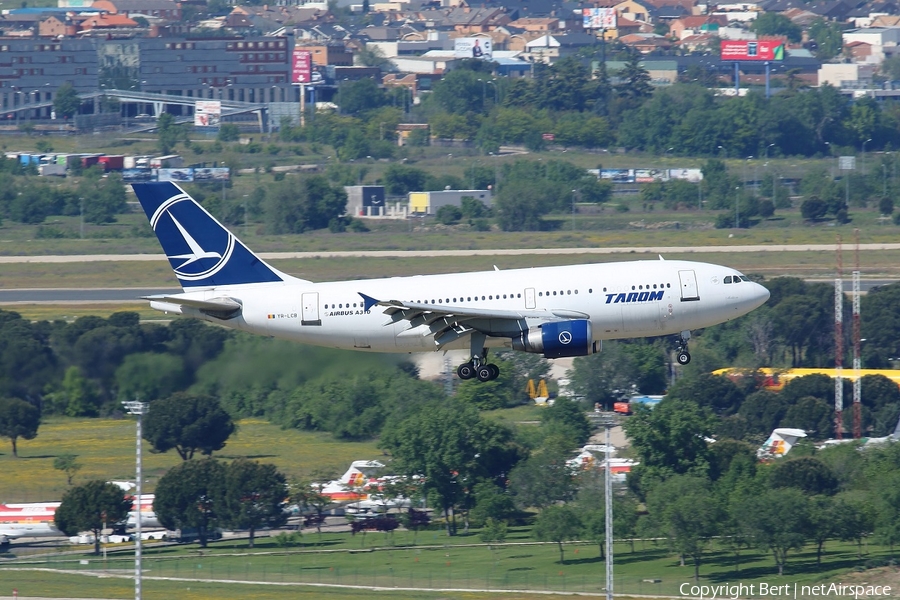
301,66
752,50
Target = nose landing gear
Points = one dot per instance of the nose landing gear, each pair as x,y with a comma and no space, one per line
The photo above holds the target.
681,350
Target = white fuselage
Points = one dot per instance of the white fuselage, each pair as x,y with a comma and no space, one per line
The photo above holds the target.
622,300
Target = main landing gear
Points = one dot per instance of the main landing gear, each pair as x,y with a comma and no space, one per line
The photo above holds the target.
478,366
484,372
681,350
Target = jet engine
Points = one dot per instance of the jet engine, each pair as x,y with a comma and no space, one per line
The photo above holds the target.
558,339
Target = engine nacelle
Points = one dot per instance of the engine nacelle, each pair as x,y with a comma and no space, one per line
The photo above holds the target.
558,339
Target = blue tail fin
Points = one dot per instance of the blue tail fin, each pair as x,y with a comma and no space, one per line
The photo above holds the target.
201,251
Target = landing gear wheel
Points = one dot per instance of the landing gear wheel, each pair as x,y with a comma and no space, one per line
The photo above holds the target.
683,358
495,370
466,371
485,372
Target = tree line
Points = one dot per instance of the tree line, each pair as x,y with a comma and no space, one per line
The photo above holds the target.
86,368
568,104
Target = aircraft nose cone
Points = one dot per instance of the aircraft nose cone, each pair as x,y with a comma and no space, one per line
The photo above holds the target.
760,295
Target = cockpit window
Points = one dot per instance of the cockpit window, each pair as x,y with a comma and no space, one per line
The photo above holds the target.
745,278
728,279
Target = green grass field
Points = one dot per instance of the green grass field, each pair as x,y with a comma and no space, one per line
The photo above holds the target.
105,448
439,562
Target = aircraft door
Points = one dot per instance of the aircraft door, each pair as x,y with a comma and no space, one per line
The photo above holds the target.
310,311
689,291
529,298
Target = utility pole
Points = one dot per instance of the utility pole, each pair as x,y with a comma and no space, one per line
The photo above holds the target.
140,409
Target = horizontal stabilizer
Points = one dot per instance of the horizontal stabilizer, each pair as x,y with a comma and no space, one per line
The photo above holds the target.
223,307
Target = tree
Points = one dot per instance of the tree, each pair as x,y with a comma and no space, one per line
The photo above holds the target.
813,208
567,419
168,133
66,101
91,507
151,375
670,439
311,203
520,205
308,495
452,448
777,520
69,464
688,514
191,495
772,23
715,392
103,198
18,419
228,132
635,80
254,496
187,423
449,214
823,521
542,480
557,524
807,474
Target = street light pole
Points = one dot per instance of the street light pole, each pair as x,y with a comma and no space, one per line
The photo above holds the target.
137,408
863,169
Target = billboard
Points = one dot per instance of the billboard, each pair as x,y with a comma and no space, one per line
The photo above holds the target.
648,175
301,66
599,18
207,113
472,48
211,174
752,50
175,174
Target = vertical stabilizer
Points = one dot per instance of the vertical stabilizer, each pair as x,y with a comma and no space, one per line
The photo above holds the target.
201,251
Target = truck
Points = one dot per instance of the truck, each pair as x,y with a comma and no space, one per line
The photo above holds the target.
89,160
52,169
112,162
170,161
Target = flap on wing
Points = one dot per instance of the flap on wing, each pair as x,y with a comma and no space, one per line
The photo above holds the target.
215,305
411,310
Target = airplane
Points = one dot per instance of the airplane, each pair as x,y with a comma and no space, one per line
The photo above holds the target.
34,519
558,312
779,443
37,519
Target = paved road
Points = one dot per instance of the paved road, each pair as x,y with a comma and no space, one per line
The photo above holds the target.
75,295
450,253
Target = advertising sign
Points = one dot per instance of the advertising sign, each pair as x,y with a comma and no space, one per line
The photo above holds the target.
847,163
301,66
207,113
175,174
473,48
752,50
692,175
650,175
211,174
617,175
599,18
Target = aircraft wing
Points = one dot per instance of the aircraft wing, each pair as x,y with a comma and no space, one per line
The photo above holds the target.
450,323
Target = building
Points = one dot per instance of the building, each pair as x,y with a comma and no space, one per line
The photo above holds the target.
428,203
365,200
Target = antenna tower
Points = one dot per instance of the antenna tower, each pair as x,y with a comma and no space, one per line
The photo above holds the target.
838,345
857,381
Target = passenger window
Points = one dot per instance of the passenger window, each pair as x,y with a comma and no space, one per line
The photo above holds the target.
540,294
568,292
728,279
591,290
576,292
554,292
